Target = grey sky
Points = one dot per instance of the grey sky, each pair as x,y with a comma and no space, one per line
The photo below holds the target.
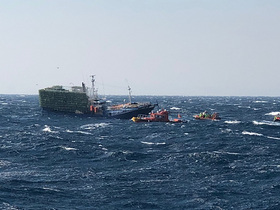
158,47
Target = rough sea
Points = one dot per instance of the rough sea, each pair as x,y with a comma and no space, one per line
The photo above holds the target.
58,161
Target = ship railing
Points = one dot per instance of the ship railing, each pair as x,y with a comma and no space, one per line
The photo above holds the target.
66,88
142,115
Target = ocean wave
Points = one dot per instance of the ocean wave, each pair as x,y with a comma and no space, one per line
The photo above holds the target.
152,143
153,136
266,123
260,101
68,148
228,153
226,130
94,126
8,206
4,163
259,134
259,123
81,132
271,137
175,108
102,137
273,113
247,107
48,129
251,133
149,156
232,122
102,147
50,189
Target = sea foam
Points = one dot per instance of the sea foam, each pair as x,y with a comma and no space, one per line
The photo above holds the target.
151,143
273,113
232,122
94,126
251,133
271,137
271,123
175,108
47,129
68,148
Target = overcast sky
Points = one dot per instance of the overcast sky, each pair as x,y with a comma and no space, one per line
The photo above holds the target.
158,47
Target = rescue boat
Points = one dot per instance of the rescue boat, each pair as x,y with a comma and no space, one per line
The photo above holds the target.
214,116
160,116
276,118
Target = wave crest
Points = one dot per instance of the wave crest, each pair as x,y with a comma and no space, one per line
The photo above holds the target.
94,126
251,133
151,143
232,122
273,113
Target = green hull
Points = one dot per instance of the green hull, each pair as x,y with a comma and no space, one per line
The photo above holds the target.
59,99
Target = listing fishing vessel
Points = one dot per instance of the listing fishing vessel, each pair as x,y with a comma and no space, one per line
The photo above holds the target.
129,110
84,100
160,116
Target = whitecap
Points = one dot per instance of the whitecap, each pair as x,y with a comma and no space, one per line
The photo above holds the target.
153,135
153,180
251,133
224,152
103,148
258,123
260,101
248,107
175,108
101,137
152,143
94,126
271,137
232,122
47,129
8,206
68,148
266,123
50,189
273,113
226,130
81,132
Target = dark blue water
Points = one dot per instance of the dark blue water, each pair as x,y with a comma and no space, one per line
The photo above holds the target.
57,161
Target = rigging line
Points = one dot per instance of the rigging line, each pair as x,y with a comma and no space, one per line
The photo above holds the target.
114,86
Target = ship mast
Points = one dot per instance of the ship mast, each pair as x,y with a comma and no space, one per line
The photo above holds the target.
129,92
93,93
